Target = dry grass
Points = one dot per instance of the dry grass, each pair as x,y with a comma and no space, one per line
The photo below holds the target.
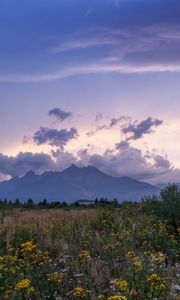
44,216
90,249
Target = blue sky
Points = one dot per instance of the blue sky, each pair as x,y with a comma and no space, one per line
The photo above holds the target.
99,60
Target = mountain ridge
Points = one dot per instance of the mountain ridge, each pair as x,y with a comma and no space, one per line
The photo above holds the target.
74,183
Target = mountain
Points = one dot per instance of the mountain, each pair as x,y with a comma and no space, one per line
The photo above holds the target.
72,184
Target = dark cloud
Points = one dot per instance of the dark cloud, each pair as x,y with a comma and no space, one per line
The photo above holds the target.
162,162
123,145
137,130
113,122
59,114
98,117
99,128
24,162
54,137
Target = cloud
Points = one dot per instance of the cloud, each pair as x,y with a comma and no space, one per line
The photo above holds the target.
102,42
54,137
59,114
25,161
123,49
128,45
122,160
115,121
95,67
99,128
125,160
138,130
98,117
162,162
63,159
83,41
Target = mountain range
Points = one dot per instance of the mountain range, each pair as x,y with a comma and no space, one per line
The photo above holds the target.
74,183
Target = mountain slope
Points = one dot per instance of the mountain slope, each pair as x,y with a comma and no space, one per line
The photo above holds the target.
72,184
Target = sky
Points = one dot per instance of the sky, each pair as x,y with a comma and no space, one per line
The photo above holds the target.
90,82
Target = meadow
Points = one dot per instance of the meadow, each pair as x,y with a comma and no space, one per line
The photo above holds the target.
115,252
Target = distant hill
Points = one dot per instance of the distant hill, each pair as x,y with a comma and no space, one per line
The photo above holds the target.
74,183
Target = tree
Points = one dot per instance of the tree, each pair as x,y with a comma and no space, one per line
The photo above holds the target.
170,197
17,202
30,203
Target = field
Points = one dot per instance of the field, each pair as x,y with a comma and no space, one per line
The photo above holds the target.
111,253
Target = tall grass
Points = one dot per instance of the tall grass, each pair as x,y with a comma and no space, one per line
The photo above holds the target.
115,253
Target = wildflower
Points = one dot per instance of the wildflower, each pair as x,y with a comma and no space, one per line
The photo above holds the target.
116,297
162,227
41,258
147,253
161,287
153,277
122,284
173,238
156,282
84,254
23,284
12,270
116,245
130,254
137,263
80,292
28,246
159,257
2,266
143,233
56,276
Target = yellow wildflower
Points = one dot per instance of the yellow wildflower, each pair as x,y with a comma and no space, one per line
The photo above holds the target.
23,284
79,292
137,263
116,297
130,254
122,284
160,257
161,287
28,246
56,276
84,254
153,277
156,282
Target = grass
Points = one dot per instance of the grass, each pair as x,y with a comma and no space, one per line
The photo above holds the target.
106,253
